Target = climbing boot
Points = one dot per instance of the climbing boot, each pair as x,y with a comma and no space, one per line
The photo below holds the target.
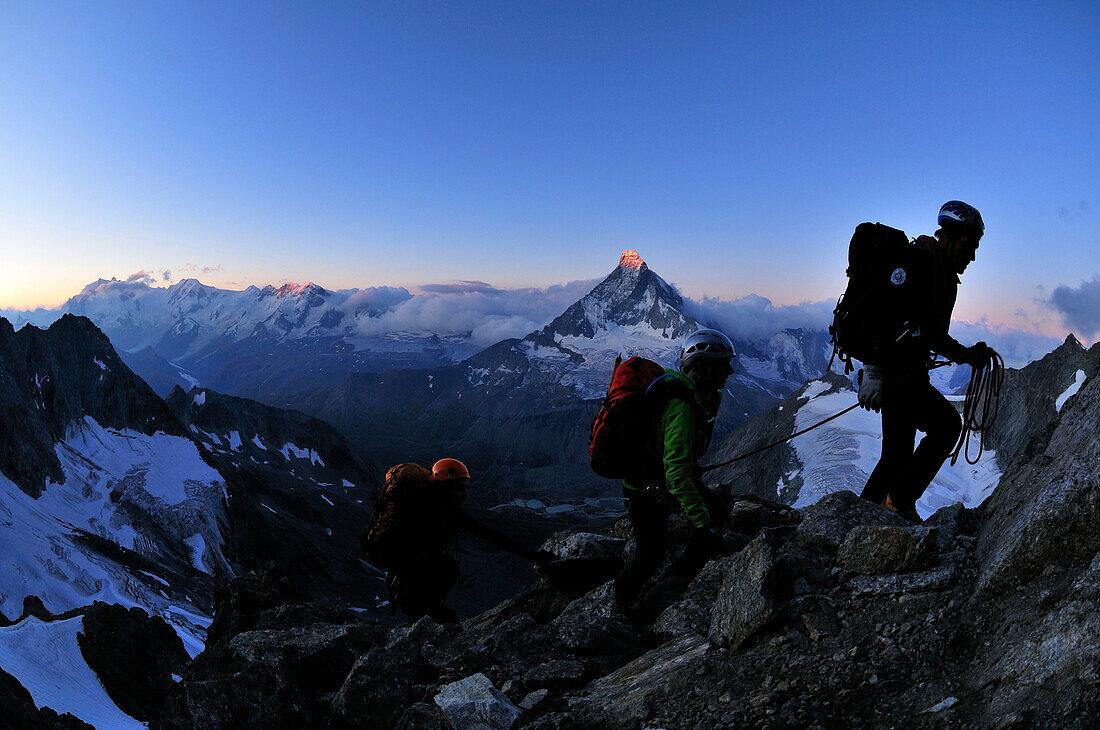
908,513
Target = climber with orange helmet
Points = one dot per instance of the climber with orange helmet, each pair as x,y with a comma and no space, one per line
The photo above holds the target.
412,534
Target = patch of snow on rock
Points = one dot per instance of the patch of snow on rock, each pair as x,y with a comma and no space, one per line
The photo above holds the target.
46,659
1078,381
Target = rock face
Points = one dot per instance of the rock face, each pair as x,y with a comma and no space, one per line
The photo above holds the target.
1030,398
50,378
133,655
1047,510
875,550
747,599
299,497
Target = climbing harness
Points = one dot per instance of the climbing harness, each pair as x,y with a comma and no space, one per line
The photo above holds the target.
983,398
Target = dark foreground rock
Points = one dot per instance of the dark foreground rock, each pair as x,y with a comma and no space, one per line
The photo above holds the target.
839,615
134,655
18,711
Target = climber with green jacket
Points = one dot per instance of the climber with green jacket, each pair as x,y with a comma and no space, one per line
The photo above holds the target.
684,404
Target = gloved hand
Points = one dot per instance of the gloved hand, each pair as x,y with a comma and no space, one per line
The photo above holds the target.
870,388
978,355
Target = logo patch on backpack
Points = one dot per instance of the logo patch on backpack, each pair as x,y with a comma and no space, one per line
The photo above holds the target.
898,277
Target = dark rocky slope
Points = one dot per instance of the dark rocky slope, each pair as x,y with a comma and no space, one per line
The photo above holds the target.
298,496
838,615
1028,402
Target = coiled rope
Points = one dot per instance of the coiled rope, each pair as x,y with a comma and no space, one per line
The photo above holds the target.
983,398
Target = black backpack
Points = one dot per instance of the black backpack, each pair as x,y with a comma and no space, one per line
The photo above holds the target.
878,310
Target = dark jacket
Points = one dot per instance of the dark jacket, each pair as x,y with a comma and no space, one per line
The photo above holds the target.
936,286
426,523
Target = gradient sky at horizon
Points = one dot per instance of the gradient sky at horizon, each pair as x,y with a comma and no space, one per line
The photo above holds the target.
735,145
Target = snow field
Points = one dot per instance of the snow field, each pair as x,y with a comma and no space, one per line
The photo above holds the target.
842,453
46,659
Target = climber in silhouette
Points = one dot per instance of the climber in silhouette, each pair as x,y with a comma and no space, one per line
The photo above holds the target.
412,535
684,404
899,385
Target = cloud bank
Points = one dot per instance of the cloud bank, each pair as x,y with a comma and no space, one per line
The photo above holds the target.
1079,306
471,309
755,318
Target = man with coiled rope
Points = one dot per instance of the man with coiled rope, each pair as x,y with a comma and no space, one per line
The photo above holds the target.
899,385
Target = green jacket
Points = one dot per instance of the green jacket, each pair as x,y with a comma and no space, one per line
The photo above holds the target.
682,436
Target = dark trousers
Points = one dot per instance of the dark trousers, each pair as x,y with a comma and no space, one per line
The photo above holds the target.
420,586
909,404
648,512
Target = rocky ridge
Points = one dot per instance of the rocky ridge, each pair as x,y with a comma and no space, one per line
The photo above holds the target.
836,615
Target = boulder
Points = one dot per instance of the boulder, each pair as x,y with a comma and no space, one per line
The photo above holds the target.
474,703
568,545
622,699
1046,510
556,674
587,634
380,686
599,602
515,645
877,550
533,699
937,579
691,614
826,524
133,655
747,599
267,678
423,716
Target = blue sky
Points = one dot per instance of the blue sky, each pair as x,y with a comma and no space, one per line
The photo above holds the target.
735,145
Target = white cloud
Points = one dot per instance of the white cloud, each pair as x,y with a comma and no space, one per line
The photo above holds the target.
755,318
479,310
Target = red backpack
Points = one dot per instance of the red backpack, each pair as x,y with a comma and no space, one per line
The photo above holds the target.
620,431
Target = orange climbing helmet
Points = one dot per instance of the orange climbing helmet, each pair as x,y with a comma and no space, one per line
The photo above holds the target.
450,469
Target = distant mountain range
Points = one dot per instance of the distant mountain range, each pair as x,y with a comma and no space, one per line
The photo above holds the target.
517,411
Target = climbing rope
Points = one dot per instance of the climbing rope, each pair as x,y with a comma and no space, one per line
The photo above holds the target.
754,452
773,445
983,398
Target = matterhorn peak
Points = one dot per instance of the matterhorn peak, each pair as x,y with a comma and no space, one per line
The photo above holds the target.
631,260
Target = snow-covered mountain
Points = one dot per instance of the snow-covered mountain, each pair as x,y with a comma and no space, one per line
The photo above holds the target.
190,333
519,412
264,343
102,495
108,493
